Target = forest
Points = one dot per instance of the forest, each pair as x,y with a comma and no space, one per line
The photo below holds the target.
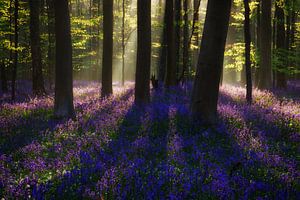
149,99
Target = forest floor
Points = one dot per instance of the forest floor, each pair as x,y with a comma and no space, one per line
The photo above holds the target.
115,150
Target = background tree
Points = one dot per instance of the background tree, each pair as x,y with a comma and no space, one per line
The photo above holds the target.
51,41
280,45
247,36
123,43
107,48
178,30
36,54
16,41
206,86
63,101
171,76
185,53
143,64
164,47
265,80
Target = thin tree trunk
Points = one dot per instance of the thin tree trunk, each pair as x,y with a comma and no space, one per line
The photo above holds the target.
107,48
248,51
36,54
164,49
123,43
14,71
51,42
63,102
171,78
91,34
4,87
258,33
196,21
185,68
206,86
143,64
280,46
11,35
178,9
195,33
293,24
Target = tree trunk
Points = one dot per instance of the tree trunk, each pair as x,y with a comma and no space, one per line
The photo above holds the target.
280,46
258,33
248,52
265,81
171,77
143,64
36,55
164,49
63,102
177,34
14,71
107,48
195,33
4,87
210,63
196,21
51,41
185,68
123,42
293,24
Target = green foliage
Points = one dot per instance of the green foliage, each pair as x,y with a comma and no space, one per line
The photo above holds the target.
235,56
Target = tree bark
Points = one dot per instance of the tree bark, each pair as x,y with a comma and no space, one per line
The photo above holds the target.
258,33
248,52
123,42
4,87
14,71
51,41
206,86
293,24
63,102
265,81
164,49
178,9
196,21
280,46
185,60
171,76
143,64
36,54
107,48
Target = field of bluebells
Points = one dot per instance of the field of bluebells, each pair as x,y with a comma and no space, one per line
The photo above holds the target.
116,150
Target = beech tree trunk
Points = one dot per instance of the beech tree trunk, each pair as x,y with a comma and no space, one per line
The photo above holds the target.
164,49
143,63
258,33
206,86
63,102
185,59
123,42
15,67
247,36
265,81
107,48
280,46
36,55
178,9
51,41
171,77
196,21
4,87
